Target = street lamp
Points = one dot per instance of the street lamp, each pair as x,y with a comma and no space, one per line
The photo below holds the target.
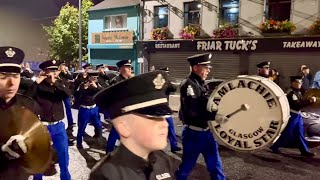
80,37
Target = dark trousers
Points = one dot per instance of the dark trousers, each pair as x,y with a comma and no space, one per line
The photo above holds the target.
293,135
67,104
85,116
195,143
60,143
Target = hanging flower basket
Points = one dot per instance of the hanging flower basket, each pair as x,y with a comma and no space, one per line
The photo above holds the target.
274,27
188,32
160,33
315,27
225,31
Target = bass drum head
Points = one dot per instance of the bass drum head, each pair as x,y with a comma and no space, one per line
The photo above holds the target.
258,111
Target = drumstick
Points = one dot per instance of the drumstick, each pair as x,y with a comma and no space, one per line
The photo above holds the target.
243,107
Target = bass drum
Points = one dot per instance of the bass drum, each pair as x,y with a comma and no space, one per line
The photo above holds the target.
257,108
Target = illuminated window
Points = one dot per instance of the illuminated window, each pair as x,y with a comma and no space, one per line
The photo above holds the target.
192,13
115,22
229,12
161,16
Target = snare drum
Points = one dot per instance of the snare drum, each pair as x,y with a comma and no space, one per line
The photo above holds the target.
258,112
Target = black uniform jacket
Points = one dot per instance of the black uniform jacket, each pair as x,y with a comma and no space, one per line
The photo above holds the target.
10,169
296,99
117,79
86,94
65,77
194,99
124,165
50,99
103,80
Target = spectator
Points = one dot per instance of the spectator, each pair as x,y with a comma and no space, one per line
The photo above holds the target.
274,76
307,78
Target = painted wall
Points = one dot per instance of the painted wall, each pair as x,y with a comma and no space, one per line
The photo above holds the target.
111,54
303,14
209,19
20,29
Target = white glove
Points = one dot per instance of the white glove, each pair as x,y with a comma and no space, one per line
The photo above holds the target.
221,119
20,141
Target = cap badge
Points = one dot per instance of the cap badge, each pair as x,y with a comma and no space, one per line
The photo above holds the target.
129,61
159,81
54,61
210,56
10,53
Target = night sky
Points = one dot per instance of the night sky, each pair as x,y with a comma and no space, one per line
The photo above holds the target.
39,9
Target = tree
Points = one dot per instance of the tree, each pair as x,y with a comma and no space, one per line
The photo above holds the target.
63,35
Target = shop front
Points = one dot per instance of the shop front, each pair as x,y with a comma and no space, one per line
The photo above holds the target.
232,57
110,47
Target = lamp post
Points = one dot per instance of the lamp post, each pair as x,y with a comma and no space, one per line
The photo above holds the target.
80,37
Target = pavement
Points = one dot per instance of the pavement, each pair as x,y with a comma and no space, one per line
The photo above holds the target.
258,165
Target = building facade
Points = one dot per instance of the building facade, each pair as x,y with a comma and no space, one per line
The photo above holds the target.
113,29
239,54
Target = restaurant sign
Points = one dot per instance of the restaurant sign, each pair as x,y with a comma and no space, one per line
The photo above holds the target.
237,45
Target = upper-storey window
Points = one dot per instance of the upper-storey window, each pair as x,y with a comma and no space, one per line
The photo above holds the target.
192,13
115,22
279,9
229,12
161,16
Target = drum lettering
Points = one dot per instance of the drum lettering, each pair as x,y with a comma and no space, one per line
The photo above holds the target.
223,134
271,103
260,89
223,91
217,127
231,87
270,133
230,139
245,143
250,84
257,142
274,125
217,100
238,144
267,95
246,136
241,84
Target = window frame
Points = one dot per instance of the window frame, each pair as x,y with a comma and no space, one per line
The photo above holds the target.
154,15
184,13
115,29
221,15
276,3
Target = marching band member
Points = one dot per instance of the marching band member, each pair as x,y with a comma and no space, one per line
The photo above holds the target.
138,108
172,133
125,73
88,110
196,135
10,60
49,91
293,135
103,79
263,69
85,80
65,76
